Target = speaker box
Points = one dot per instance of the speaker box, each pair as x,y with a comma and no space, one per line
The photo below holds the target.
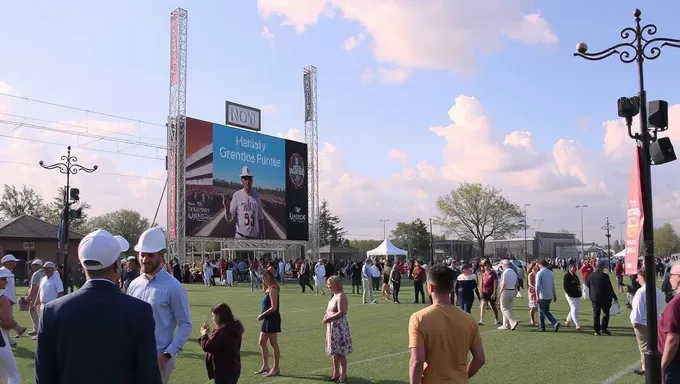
658,114
661,151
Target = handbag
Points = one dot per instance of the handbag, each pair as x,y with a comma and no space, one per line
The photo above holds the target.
615,309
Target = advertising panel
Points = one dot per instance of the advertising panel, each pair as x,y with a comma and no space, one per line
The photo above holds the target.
243,184
635,216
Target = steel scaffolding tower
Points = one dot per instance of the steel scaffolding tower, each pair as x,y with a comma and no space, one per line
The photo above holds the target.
312,139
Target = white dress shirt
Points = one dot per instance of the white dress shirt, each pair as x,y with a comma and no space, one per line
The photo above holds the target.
509,279
638,313
375,271
10,289
320,270
50,288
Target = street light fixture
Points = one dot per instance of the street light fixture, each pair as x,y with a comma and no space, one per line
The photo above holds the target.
384,221
68,166
608,227
640,45
583,253
526,257
539,221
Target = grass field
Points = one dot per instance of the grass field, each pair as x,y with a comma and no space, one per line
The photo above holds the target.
379,334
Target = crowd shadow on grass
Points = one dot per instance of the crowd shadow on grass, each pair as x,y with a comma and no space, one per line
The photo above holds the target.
350,379
23,353
201,355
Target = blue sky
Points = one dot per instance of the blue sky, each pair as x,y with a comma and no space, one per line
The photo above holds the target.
116,60
267,174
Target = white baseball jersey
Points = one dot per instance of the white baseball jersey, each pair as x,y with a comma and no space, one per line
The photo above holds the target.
248,212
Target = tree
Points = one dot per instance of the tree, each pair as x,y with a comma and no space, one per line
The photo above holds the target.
364,245
330,231
123,222
54,210
475,212
15,203
617,246
666,240
412,237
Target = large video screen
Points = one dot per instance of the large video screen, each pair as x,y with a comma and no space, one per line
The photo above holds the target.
244,185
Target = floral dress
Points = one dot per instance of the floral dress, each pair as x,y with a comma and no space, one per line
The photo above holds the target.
338,338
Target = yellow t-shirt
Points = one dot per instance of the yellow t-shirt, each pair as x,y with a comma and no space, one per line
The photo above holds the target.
447,333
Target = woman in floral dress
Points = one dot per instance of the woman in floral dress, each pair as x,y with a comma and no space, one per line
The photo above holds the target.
338,339
533,298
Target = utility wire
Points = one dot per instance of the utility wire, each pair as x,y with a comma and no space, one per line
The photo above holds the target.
98,171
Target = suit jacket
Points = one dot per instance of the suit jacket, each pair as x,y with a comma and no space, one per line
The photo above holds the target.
96,335
600,288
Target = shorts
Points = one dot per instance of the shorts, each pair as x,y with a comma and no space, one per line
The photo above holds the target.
487,296
520,283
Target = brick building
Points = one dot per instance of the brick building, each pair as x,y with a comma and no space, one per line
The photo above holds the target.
28,238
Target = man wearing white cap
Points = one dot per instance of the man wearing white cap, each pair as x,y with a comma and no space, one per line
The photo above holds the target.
167,297
9,373
246,206
9,262
110,335
32,298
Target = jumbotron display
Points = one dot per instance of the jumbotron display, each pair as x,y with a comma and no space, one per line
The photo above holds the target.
244,185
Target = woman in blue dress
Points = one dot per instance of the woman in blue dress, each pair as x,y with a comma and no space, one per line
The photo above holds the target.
271,324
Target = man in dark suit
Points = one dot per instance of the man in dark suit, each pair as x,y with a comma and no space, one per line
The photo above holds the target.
601,296
97,334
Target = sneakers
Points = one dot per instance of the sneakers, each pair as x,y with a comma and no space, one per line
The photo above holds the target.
33,333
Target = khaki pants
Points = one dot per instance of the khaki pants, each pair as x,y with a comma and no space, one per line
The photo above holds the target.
35,317
167,370
367,286
640,331
509,320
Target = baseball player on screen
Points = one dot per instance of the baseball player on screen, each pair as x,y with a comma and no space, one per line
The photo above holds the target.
245,205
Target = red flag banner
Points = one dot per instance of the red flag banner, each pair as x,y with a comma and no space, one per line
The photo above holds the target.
174,50
635,216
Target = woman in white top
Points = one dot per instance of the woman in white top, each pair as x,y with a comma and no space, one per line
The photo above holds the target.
9,373
207,273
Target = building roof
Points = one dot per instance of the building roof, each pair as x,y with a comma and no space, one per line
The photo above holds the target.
29,227
337,249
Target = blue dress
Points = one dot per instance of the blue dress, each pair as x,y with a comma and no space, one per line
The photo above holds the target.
272,322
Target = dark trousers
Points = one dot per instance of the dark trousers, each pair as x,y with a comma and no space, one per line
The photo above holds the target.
418,287
604,308
376,283
672,374
304,282
465,303
395,292
230,380
356,284
543,312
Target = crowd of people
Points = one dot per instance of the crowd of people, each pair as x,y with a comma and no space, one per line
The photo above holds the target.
143,348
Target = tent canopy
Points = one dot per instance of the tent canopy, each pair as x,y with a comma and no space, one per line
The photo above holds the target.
621,254
386,248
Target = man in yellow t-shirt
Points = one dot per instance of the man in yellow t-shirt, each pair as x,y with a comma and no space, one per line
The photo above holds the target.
441,335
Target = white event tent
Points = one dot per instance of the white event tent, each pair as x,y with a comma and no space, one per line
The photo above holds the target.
386,248
621,254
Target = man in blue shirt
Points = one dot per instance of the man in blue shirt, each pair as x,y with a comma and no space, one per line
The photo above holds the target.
545,290
167,297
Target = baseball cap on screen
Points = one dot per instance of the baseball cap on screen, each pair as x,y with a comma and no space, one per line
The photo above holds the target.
151,241
98,250
245,172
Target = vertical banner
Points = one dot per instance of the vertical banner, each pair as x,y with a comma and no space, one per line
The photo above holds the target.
635,216
172,187
297,218
174,50
307,85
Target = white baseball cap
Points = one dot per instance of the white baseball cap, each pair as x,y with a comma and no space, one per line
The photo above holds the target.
49,264
151,241
131,258
245,172
98,250
7,259
37,262
5,273
124,245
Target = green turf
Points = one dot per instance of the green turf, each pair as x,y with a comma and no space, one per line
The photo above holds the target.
379,334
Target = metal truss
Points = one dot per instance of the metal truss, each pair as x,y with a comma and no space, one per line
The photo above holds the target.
312,139
177,110
248,245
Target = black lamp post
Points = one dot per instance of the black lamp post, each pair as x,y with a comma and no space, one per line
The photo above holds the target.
69,167
526,255
640,45
608,227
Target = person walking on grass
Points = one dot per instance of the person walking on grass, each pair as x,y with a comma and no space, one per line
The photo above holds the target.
441,336
601,296
338,337
572,292
669,332
222,346
367,282
507,295
545,290
489,292
638,317
271,324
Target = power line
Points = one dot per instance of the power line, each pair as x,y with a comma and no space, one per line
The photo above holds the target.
98,171
83,148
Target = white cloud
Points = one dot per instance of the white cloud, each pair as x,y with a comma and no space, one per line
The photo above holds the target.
431,34
396,154
292,134
352,42
384,76
269,36
269,109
